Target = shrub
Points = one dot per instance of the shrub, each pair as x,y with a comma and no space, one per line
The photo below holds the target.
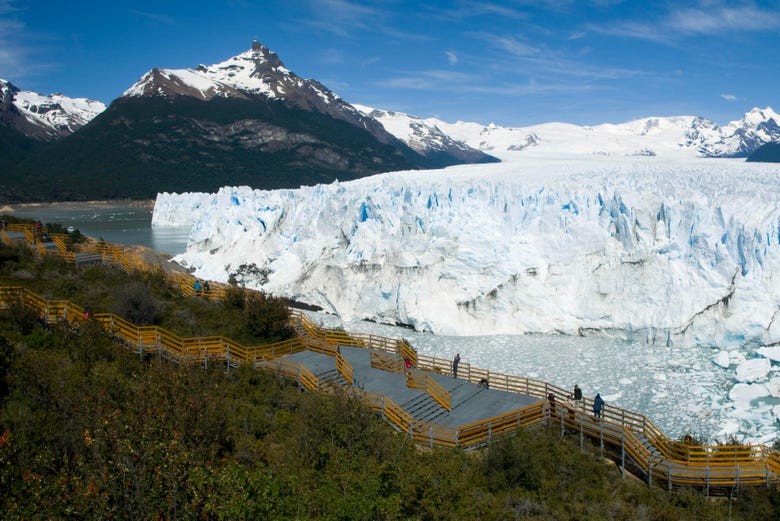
136,303
267,317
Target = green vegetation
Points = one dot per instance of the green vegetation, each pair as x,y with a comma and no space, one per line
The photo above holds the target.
141,146
89,430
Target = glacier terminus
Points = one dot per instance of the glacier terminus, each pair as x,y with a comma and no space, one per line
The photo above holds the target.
667,248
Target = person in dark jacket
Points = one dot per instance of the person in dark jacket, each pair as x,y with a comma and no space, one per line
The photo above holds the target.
455,363
598,405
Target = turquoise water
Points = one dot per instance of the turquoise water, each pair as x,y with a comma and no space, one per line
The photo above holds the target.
119,223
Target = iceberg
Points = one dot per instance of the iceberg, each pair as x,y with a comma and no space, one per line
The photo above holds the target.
753,370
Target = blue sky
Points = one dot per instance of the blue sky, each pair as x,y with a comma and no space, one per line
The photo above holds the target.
514,63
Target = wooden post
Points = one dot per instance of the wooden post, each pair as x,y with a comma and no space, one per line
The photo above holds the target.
563,425
601,437
622,454
650,471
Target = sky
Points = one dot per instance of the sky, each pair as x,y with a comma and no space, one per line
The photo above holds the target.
513,63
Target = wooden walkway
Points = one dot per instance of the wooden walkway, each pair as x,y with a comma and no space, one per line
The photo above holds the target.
717,469
471,402
425,402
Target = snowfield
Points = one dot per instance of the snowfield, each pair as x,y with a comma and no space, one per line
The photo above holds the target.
673,251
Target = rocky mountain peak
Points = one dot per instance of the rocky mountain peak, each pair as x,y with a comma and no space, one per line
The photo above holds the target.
42,117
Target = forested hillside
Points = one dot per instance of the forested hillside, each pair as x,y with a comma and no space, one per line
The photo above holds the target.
91,431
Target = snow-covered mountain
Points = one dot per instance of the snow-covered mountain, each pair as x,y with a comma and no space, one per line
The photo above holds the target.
254,74
424,137
44,117
743,137
670,137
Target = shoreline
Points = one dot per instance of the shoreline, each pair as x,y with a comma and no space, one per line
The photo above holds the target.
105,203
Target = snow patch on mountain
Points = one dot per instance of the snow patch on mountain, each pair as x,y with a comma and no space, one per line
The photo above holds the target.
256,74
677,137
47,117
424,137
256,71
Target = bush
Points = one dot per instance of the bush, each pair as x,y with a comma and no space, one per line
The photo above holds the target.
6,357
137,304
267,317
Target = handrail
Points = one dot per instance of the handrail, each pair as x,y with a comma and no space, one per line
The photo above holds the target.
673,462
344,368
436,391
386,361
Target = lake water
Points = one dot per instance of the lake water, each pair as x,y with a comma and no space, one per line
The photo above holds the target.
119,223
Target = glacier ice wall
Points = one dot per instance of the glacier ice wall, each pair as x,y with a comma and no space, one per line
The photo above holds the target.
669,252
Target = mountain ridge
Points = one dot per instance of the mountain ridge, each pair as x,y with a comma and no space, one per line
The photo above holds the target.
284,131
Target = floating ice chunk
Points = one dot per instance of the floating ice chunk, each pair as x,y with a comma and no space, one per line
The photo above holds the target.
626,381
661,377
776,412
773,385
722,359
753,370
772,353
742,394
736,357
612,397
729,429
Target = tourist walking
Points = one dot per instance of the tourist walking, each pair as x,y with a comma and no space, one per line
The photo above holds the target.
598,405
570,405
455,363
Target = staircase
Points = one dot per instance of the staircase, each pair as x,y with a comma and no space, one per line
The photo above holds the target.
424,408
330,381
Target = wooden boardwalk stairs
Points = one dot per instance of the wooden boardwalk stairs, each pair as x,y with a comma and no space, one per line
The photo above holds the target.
424,401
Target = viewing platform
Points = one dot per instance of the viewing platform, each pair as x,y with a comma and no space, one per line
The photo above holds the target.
470,402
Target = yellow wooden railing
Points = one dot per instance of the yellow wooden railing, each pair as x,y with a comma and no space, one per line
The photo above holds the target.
111,254
672,462
386,362
423,380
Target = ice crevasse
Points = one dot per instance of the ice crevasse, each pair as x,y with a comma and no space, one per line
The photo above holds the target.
663,251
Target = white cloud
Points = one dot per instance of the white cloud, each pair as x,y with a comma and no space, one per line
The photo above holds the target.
728,97
12,54
712,18
715,19
154,17
452,57
515,46
331,56
7,6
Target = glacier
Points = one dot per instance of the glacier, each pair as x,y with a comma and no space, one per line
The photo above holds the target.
669,252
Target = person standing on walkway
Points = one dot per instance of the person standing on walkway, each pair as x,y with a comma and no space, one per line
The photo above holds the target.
598,405
455,363
570,406
577,396
551,399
